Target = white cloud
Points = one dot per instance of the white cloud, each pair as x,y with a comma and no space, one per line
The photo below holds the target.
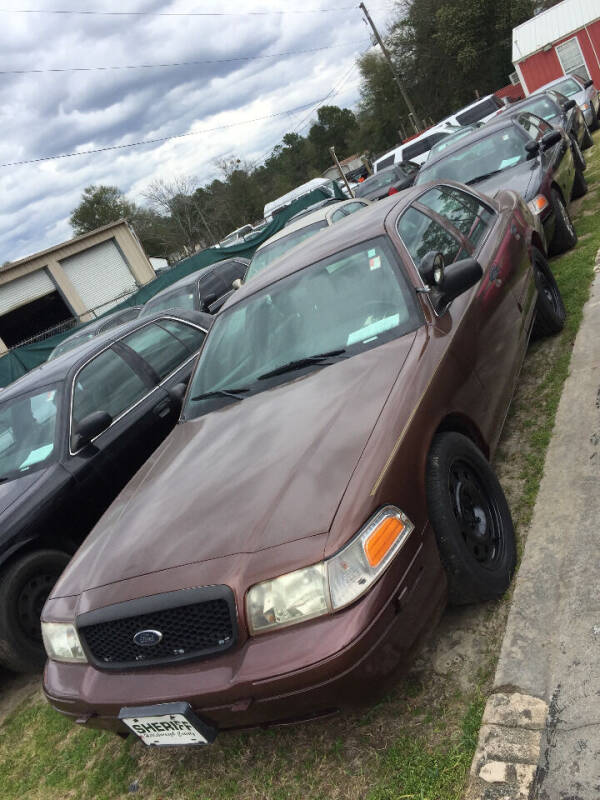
52,113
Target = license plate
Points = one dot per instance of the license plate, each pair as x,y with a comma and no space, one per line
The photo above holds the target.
167,724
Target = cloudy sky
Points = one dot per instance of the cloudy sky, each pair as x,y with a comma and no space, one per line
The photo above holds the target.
46,113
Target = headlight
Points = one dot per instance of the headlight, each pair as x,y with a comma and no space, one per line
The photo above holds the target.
333,584
62,642
538,205
585,106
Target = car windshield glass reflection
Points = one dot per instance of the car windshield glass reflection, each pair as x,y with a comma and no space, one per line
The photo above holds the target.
270,252
568,87
343,305
28,432
182,298
499,151
543,107
383,178
70,344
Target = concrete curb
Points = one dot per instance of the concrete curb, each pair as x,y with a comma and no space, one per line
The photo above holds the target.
518,716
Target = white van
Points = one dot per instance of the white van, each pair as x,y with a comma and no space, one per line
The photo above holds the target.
417,149
479,111
275,206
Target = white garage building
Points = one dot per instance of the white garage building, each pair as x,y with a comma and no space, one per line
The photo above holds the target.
73,281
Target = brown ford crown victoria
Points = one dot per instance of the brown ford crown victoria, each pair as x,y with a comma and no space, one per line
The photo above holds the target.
328,485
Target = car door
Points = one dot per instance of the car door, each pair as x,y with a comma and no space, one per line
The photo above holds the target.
557,161
488,338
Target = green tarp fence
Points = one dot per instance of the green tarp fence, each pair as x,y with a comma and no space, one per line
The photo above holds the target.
22,359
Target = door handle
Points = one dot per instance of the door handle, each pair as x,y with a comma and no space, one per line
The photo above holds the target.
162,409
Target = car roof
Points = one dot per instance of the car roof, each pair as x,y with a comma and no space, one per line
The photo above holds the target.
56,370
192,277
344,234
309,219
479,133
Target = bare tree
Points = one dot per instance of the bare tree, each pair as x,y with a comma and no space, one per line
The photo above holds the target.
186,227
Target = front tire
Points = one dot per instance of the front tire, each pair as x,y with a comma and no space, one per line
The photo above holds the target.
471,520
578,157
587,140
564,231
24,586
550,313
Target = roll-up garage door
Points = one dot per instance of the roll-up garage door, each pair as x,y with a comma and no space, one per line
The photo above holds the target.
100,276
23,290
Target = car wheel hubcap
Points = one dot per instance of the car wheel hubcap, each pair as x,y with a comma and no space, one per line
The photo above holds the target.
31,601
476,514
546,288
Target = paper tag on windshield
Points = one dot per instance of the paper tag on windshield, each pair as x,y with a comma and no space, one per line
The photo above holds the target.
375,263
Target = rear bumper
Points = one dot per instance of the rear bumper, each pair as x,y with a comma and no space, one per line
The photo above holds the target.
332,664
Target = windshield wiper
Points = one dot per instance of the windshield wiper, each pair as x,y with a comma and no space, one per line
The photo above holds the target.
222,393
299,363
483,177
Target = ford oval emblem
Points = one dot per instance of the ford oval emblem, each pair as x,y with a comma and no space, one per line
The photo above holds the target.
147,638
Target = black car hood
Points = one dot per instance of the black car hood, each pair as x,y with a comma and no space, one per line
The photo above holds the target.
13,490
522,178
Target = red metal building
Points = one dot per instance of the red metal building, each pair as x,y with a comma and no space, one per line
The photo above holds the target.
562,40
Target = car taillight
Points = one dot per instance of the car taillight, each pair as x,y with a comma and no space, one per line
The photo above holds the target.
392,190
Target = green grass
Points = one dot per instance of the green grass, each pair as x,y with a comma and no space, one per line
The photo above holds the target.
416,744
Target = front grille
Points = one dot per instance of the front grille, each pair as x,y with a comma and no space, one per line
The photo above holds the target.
193,623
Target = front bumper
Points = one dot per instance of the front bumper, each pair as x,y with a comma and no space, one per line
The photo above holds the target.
334,663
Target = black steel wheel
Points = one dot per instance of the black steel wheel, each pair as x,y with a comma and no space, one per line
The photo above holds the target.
564,231
471,520
549,308
24,586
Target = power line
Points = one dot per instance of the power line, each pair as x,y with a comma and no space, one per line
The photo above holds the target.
153,141
265,12
176,63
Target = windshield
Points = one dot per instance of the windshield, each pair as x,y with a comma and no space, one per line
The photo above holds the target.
352,301
499,151
375,182
543,107
70,344
568,87
452,139
28,432
182,298
267,254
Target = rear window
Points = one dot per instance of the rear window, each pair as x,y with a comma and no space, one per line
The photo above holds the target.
479,111
422,146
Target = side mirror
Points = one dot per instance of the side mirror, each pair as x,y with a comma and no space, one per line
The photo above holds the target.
569,105
237,284
90,427
431,268
458,277
532,149
549,139
587,84
177,393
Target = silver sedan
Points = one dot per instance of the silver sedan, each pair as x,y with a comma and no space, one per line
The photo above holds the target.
583,91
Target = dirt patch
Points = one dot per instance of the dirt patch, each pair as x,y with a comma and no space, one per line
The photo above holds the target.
16,689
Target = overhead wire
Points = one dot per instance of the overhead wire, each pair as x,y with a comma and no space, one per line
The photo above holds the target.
101,13
155,140
177,63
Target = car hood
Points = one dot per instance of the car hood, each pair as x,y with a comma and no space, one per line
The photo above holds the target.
520,178
252,475
20,487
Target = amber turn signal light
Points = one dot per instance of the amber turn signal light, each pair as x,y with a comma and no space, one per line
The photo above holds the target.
382,539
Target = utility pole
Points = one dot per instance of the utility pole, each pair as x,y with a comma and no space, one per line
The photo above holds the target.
341,171
411,109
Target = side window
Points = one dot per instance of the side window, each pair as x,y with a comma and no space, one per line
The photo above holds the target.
385,162
190,336
338,215
106,384
212,283
531,126
352,207
462,210
232,271
421,234
158,347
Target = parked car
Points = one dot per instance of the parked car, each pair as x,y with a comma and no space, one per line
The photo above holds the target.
84,334
299,231
327,487
417,149
480,111
72,433
560,112
199,290
238,236
524,153
388,181
583,91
